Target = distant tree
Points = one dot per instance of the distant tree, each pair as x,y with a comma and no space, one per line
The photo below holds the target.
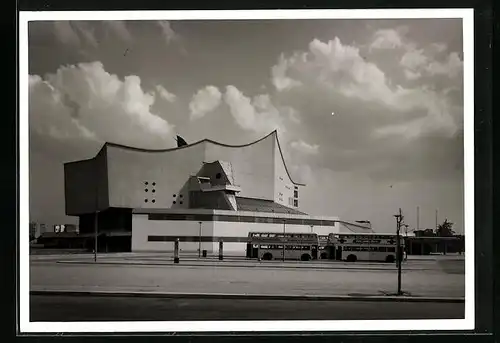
445,229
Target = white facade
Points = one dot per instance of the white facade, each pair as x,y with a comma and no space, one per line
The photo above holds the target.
212,231
127,177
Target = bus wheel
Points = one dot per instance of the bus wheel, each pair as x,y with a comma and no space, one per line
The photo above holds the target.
390,259
351,258
305,257
267,256
324,256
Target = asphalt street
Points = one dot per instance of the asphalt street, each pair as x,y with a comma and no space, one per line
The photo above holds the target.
439,281
88,308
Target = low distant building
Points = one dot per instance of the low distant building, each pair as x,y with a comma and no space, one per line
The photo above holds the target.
426,245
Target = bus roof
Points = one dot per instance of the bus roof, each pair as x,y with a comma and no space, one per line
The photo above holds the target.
368,234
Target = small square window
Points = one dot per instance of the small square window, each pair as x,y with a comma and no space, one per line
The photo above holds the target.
180,195
146,190
145,200
154,183
153,200
146,183
296,203
153,190
174,202
181,202
174,195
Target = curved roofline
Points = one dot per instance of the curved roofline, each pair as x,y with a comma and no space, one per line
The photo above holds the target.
188,145
275,132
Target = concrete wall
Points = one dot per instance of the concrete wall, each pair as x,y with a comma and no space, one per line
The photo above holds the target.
169,170
86,185
253,166
121,173
283,185
142,228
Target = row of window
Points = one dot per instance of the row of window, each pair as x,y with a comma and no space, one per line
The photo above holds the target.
379,249
280,234
240,219
173,202
287,247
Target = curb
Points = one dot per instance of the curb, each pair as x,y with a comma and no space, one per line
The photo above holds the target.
260,265
379,298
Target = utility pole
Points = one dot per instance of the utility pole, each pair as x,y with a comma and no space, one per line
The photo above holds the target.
436,219
399,220
418,218
96,220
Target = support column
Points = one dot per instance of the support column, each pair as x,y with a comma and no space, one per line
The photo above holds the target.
176,251
221,250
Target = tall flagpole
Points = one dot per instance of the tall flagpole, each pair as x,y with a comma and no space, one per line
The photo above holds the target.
418,218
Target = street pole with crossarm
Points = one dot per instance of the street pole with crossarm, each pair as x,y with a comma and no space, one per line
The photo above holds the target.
399,220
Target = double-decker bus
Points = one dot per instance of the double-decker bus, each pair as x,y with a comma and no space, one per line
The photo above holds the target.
354,247
324,247
279,246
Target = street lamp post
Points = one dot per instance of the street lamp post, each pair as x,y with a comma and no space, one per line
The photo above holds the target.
199,242
399,219
96,222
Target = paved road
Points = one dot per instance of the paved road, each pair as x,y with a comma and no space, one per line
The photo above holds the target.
83,308
441,281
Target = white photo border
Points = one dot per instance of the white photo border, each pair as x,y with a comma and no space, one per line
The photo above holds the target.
25,326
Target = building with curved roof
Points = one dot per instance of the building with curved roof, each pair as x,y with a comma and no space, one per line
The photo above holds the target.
224,190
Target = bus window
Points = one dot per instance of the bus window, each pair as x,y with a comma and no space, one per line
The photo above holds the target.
391,249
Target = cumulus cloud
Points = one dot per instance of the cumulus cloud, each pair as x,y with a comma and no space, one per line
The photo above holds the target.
452,67
258,115
411,75
414,59
85,102
304,147
439,47
204,101
388,39
419,61
166,29
279,78
339,69
165,94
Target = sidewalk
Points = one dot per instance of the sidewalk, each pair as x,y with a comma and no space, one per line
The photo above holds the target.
331,265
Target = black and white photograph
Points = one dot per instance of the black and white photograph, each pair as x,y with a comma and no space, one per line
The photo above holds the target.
278,170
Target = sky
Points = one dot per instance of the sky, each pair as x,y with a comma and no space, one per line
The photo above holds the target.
369,113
